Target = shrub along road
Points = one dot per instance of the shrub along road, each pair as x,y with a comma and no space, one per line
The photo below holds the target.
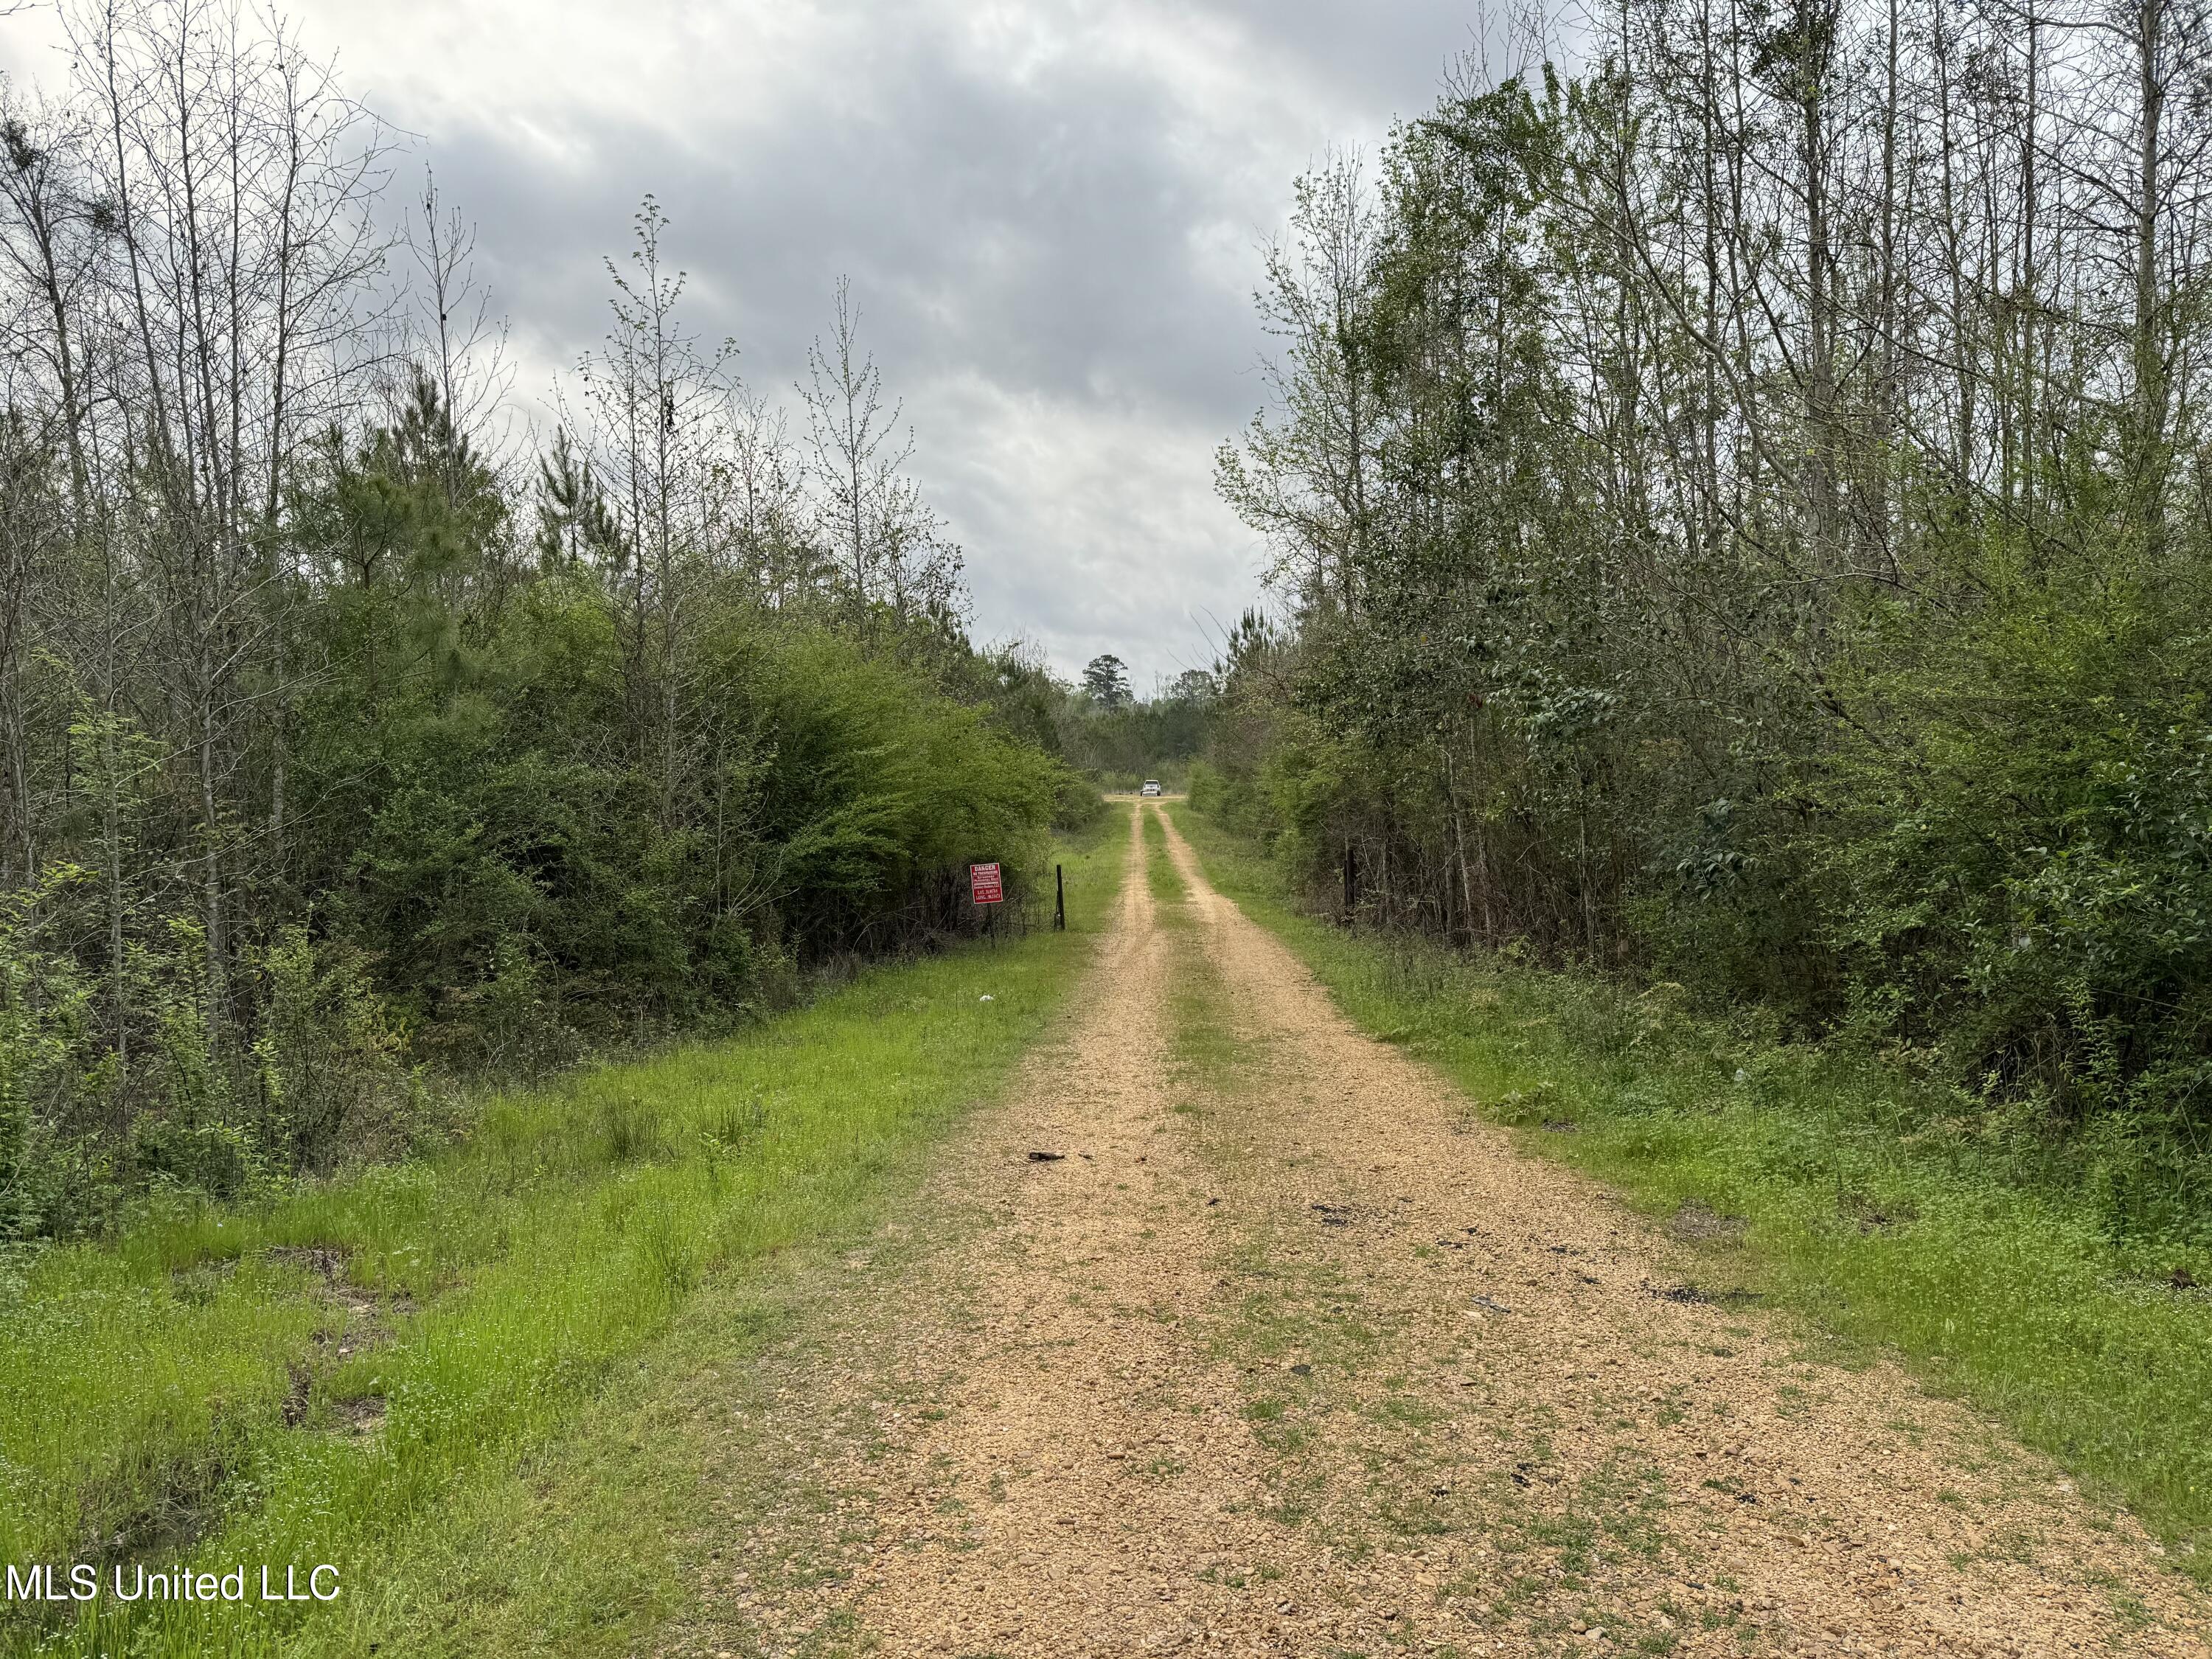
1233,1330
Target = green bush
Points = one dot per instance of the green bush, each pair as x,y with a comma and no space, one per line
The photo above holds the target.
495,882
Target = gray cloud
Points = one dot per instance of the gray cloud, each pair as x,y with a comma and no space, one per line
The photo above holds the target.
1050,214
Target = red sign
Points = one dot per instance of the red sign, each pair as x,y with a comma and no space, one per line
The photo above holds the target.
983,881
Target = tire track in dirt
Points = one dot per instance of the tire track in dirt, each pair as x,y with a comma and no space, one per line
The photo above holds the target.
1092,1449
1285,1355
1847,1511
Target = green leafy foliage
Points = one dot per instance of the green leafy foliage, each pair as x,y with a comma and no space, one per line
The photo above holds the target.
510,813
1634,614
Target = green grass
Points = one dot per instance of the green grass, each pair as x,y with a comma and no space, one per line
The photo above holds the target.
1160,873
1862,1203
343,1374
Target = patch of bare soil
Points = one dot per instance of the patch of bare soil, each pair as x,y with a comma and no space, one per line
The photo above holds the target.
1287,1355
360,1322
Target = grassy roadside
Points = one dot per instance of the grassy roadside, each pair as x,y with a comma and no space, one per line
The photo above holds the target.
1861,1205
361,1373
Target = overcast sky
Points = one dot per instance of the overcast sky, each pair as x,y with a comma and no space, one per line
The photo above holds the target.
1051,214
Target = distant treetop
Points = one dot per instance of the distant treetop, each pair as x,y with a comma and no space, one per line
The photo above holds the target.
1107,679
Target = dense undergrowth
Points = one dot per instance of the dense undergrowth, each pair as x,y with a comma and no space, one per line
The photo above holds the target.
1637,594
356,743
1999,1259
309,1379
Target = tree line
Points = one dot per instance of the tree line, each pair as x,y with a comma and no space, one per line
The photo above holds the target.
1738,510
1118,738
348,738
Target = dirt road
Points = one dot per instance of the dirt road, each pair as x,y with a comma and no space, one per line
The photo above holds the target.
1283,1352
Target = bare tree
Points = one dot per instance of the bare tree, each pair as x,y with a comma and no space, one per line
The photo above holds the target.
657,406
890,548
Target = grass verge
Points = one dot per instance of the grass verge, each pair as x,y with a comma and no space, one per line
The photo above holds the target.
361,1373
1862,1201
